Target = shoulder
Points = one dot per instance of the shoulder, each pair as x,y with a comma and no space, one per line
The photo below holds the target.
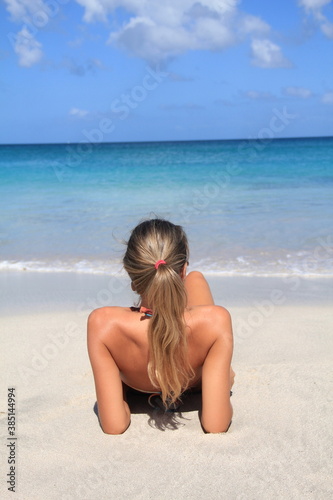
104,313
104,319
221,319
212,322
210,314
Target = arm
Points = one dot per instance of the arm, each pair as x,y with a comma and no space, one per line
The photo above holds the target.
216,377
113,411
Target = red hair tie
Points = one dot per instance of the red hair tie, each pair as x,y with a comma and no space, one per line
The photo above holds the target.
158,263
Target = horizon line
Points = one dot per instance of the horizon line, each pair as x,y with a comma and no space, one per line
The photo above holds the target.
156,141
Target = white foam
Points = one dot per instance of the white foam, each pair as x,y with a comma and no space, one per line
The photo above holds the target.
82,266
239,266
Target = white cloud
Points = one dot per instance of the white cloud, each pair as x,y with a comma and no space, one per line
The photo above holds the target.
259,95
313,4
81,69
97,10
314,7
27,48
170,11
297,92
251,24
23,10
327,98
327,28
79,113
146,39
267,54
157,31
32,13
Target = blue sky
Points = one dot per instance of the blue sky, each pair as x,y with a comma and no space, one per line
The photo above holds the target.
141,70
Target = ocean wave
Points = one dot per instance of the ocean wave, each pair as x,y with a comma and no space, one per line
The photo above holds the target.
81,266
239,266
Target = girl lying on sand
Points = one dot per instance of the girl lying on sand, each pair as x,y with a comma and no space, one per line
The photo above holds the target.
177,339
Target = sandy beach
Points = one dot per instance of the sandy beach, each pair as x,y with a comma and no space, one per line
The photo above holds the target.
278,447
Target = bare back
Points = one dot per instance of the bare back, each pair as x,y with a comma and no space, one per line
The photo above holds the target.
126,337
118,350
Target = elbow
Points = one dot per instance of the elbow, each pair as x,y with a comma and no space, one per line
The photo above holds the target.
114,430
214,425
114,427
115,423
215,429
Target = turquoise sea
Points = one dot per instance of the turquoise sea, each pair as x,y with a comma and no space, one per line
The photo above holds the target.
260,207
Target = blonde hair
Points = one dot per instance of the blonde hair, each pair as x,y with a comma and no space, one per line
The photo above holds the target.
164,292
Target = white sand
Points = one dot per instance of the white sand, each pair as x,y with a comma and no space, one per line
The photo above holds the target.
278,447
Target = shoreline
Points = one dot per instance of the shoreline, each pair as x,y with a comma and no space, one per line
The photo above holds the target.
44,291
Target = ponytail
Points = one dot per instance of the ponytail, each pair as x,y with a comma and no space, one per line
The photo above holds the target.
168,366
157,252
